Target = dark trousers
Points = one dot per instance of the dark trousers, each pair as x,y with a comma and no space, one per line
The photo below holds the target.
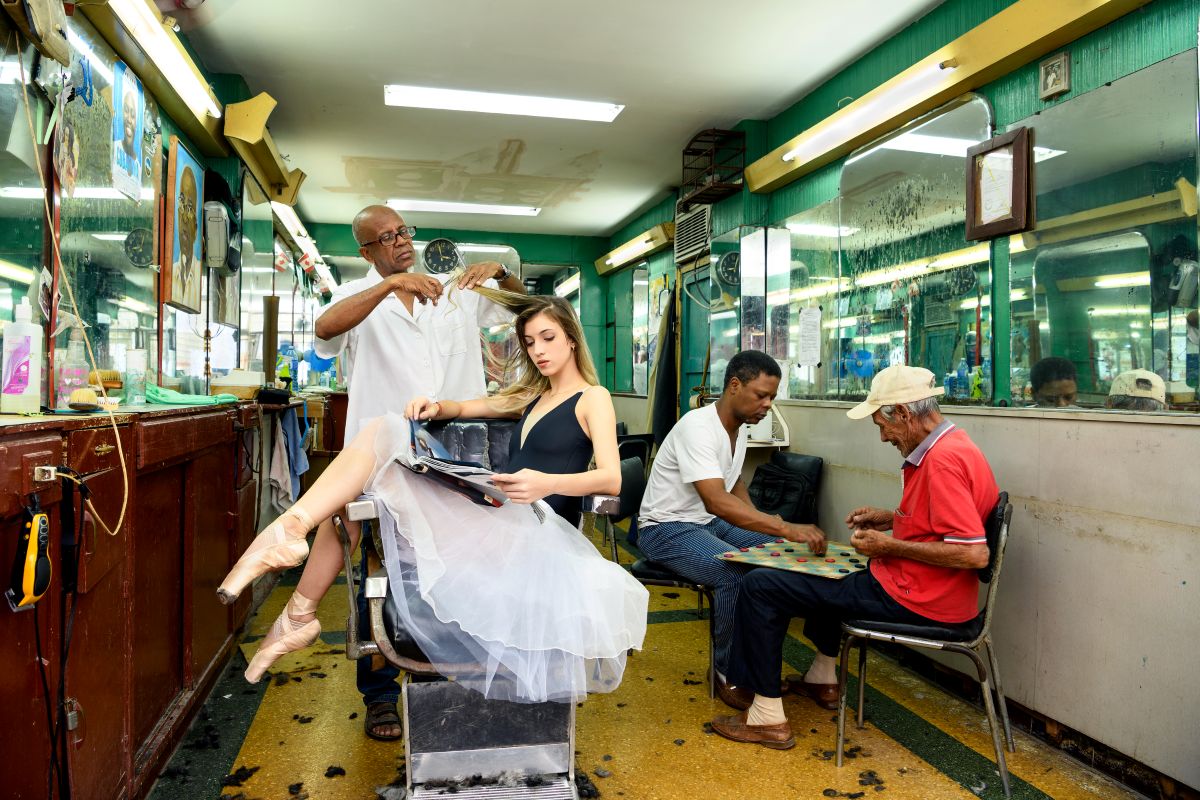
378,685
769,599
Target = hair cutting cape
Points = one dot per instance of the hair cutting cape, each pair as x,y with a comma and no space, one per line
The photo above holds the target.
533,603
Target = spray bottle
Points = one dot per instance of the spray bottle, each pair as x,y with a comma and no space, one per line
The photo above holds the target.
21,381
73,371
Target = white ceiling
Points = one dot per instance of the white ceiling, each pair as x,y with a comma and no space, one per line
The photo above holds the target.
678,67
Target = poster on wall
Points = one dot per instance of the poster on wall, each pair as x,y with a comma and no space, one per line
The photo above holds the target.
181,284
129,106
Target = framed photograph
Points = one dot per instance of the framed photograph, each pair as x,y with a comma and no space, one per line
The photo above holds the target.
128,114
998,186
185,182
1054,75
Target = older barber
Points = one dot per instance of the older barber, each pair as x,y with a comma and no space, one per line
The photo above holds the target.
404,344
924,573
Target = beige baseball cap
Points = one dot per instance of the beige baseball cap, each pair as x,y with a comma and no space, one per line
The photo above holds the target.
1139,383
894,385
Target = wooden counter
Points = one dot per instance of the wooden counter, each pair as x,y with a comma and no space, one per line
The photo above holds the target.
149,636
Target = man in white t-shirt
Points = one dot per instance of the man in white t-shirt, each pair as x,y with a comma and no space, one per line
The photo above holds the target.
696,505
407,340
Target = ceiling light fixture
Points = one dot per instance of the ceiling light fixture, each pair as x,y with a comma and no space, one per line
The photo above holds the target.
145,25
493,103
448,207
657,238
568,287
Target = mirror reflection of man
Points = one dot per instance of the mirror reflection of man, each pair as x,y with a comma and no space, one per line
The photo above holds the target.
405,343
186,270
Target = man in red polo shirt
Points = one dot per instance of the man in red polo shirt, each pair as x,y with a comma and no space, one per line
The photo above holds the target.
925,572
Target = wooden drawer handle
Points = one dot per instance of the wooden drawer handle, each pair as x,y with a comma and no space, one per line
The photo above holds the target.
103,449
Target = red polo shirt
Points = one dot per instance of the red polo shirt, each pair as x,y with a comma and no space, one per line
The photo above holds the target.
948,491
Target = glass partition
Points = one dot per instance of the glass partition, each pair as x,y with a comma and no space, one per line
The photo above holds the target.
1106,281
913,290
640,328
108,221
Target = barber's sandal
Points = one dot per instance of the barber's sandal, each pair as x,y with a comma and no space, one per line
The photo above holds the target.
776,737
273,549
286,635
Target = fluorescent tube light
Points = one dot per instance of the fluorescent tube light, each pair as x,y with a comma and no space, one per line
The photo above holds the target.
974,303
1123,281
568,287
723,315
15,273
914,142
146,27
493,103
628,252
134,305
823,231
447,207
1119,311
471,248
110,237
287,215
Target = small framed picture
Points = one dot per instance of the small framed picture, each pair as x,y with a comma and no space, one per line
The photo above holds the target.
1054,75
185,182
999,186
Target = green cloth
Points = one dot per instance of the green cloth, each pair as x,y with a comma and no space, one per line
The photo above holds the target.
169,397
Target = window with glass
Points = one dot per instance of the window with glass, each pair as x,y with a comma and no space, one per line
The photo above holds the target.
1106,282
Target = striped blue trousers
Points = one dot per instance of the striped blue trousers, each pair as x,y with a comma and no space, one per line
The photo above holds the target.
693,551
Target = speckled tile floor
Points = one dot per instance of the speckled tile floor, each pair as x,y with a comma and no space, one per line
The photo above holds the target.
300,733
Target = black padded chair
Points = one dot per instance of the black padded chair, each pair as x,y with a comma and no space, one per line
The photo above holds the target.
636,445
971,639
633,486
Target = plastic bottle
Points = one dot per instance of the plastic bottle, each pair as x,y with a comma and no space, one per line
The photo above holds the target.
21,382
961,384
73,372
135,377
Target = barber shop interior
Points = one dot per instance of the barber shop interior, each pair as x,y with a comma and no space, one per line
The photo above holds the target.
644,400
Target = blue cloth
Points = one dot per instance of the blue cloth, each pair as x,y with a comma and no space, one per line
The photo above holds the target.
692,551
297,458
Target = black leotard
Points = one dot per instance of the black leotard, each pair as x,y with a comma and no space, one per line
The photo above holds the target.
556,444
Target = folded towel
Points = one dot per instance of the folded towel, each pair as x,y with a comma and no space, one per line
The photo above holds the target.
169,397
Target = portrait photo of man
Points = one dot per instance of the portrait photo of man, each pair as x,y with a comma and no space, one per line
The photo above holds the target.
187,177
128,104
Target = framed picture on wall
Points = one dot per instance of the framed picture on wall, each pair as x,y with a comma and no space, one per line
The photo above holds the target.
128,120
998,186
1054,76
185,182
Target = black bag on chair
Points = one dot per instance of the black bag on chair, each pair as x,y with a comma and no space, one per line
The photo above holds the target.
788,485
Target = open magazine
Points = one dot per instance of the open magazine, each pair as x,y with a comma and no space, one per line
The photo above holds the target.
471,480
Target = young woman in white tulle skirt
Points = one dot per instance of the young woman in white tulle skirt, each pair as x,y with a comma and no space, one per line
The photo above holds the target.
525,596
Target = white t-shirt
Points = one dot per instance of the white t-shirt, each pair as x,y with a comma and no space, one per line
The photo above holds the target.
435,351
696,449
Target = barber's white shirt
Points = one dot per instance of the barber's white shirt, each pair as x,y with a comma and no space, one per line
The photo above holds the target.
434,351
696,449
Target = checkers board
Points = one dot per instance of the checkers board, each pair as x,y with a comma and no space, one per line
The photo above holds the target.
839,560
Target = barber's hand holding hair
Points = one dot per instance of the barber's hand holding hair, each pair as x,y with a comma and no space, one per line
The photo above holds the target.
877,519
422,287
526,486
478,273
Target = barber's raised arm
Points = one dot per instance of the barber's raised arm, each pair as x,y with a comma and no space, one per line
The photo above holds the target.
351,311
740,512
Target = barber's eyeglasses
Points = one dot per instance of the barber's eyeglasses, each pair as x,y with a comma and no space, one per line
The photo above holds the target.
388,239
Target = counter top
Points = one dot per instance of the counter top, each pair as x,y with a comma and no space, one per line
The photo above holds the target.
12,423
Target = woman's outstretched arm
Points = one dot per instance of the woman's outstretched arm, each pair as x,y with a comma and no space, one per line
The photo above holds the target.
422,408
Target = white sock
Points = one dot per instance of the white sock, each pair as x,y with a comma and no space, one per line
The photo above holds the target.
766,711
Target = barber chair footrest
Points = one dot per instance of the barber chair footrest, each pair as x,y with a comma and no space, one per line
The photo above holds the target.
557,789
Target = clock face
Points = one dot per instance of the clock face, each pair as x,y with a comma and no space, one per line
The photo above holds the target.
139,247
729,269
441,256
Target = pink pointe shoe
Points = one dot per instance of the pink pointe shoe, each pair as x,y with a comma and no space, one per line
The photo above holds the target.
286,636
272,550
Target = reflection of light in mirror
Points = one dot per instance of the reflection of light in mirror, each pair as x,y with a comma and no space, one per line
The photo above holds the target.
110,237
733,332
81,193
1118,311
18,274
944,146
134,305
641,283
81,47
724,315
813,292
1016,294
977,254
1123,281
822,231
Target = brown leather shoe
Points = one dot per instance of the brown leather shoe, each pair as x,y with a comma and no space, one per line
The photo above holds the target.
823,694
734,696
776,737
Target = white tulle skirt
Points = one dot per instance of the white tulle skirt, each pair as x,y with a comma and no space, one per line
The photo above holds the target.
533,603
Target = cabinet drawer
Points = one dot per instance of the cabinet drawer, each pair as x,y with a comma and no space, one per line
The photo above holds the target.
18,456
161,440
91,451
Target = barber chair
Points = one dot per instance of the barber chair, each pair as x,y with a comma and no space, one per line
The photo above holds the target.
483,748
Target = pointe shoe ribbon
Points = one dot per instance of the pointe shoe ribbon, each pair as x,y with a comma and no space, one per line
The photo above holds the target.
286,636
272,550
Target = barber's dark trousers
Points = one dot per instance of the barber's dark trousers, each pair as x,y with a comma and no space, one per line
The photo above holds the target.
768,600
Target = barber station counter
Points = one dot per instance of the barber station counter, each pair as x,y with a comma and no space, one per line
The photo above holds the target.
149,636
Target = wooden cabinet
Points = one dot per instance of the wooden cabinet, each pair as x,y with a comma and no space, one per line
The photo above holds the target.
148,634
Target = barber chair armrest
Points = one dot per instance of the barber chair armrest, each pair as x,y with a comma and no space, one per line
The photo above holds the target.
603,505
361,510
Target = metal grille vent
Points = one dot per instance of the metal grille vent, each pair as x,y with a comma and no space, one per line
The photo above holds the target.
693,231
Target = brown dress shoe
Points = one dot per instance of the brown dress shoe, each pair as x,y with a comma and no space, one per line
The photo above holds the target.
776,737
823,694
734,696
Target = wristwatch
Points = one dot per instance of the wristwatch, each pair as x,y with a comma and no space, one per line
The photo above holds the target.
504,273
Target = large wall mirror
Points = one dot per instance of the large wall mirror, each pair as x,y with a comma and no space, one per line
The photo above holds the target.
1106,282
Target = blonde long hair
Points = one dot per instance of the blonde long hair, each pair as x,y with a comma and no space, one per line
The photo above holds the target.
530,382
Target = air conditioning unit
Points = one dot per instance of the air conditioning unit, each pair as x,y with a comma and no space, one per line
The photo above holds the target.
693,232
